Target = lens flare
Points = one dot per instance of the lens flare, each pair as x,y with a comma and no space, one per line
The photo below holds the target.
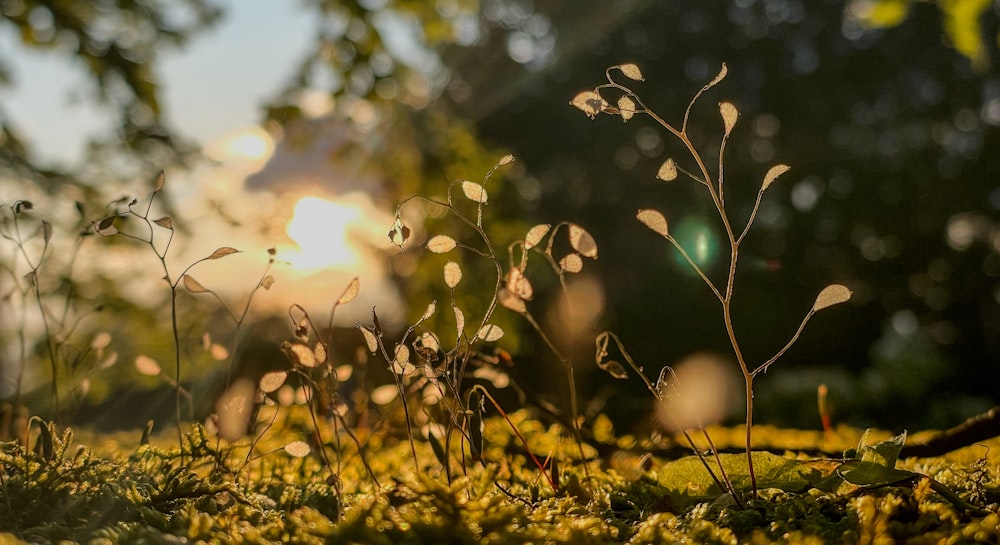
700,242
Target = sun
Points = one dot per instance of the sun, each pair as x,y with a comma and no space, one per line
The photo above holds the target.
251,143
322,230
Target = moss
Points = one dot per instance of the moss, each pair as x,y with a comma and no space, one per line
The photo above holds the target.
212,494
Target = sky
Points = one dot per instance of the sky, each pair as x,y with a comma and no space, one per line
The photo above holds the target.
213,92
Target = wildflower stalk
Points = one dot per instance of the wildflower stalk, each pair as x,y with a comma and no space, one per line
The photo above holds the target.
628,105
106,227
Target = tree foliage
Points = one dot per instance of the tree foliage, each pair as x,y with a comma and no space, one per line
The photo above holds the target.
962,22
118,45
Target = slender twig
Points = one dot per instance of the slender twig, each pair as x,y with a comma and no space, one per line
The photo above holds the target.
723,482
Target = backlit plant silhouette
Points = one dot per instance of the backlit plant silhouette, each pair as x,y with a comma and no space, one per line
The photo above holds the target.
625,103
152,233
55,301
445,369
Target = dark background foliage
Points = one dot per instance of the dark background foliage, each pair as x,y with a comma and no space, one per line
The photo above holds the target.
892,135
893,192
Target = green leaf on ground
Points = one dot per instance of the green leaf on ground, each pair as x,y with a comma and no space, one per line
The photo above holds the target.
687,479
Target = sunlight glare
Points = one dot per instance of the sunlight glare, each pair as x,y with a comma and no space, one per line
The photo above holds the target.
321,228
252,143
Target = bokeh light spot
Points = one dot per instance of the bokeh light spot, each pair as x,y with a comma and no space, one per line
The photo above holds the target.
698,240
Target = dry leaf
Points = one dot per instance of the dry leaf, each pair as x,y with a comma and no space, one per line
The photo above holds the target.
193,285
370,338
614,368
270,382
729,115
401,361
286,395
496,377
834,294
459,321
452,274
582,242
303,394
234,408
772,175
159,182
399,233
490,333
668,171
106,227
719,77
108,361
267,282
383,395
302,329
429,311
511,301
165,222
218,352
319,350
147,365
475,192
632,71
101,341
519,284
589,102
427,346
654,220
350,292
222,252
302,354
506,159
572,263
297,449
626,107
441,244
535,235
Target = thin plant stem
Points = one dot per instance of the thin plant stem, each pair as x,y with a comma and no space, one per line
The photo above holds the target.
177,364
570,376
592,104
724,483
34,280
716,191
795,337
517,433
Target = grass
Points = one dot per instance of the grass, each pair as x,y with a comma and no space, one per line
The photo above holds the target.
308,452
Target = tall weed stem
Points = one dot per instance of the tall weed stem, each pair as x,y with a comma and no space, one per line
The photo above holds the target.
627,105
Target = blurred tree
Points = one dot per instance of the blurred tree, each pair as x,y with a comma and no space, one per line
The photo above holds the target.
962,21
117,44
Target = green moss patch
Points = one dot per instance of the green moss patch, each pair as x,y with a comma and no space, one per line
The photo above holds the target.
216,493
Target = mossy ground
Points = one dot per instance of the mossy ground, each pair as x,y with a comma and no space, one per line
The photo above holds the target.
118,492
